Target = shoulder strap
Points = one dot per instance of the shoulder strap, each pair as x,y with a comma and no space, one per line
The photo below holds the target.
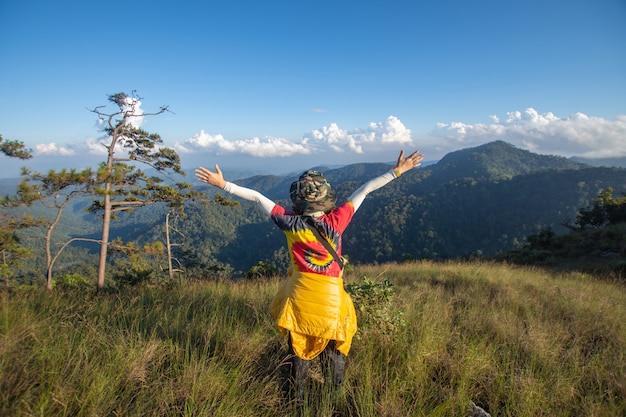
309,222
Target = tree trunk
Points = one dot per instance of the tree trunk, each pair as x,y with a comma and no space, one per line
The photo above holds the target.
106,223
48,257
48,262
48,250
169,246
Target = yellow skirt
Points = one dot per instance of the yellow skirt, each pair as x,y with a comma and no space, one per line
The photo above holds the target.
314,309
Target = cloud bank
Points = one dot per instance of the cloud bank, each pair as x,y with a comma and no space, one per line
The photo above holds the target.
575,135
544,133
49,149
327,138
218,144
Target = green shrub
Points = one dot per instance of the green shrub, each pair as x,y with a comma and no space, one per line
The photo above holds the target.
132,274
262,270
374,306
71,281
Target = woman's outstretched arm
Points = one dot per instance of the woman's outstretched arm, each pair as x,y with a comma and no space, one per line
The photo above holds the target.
216,179
403,165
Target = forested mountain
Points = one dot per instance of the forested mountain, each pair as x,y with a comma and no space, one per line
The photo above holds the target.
477,201
496,161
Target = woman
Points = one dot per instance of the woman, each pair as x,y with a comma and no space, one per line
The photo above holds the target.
312,307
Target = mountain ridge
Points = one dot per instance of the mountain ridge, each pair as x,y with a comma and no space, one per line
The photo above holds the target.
480,200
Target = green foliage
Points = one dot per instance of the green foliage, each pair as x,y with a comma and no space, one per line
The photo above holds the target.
496,161
12,251
71,281
545,239
14,149
262,270
225,201
136,265
605,209
132,274
376,311
347,266
600,248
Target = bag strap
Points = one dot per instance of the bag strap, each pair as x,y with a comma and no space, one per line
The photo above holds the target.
309,222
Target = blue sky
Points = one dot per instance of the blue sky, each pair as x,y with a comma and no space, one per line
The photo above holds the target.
278,85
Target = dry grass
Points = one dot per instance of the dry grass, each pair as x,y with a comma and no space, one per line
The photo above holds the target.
516,341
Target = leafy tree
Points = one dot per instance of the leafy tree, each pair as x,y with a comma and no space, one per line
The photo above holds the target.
615,207
123,186
54,190
605,209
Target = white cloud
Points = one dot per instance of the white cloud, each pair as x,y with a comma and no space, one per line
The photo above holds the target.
389,131
133,106
51,149
91,147
267,147
575,135
326,138
96,147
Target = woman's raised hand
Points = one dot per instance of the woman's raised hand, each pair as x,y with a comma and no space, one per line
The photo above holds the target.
214,178
410,162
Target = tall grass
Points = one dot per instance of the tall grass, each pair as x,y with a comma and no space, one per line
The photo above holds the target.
516,341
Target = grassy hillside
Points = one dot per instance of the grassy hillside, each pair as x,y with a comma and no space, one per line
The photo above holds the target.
515,341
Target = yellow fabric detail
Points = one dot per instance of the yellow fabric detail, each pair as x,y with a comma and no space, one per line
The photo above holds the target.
314,309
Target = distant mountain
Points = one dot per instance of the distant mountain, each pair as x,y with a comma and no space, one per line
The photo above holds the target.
601,162
497,161
8,186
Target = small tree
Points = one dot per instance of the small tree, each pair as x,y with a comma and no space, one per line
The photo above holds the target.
54,190
604,209
177,213
124,187
616,208
169,226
